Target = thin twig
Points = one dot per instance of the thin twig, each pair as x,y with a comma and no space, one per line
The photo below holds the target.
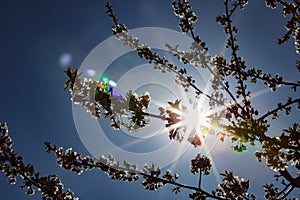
200,177
278,108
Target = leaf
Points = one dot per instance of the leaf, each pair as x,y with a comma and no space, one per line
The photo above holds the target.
222,138
196,141
72,74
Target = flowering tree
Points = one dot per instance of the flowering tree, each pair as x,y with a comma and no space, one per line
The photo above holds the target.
230,100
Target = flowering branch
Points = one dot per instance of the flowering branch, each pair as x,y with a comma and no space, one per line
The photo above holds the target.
13,166
73,161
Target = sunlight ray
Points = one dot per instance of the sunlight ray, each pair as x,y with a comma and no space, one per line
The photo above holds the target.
207,153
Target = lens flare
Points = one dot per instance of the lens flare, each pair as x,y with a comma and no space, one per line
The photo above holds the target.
105,79
112,83
106,87
65,59
90,72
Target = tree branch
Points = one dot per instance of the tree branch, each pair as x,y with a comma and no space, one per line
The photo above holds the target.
279,108
294,181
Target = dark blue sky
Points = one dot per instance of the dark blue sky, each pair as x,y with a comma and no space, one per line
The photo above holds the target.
34,34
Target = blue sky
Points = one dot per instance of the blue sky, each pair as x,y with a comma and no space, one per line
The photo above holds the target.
34,34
